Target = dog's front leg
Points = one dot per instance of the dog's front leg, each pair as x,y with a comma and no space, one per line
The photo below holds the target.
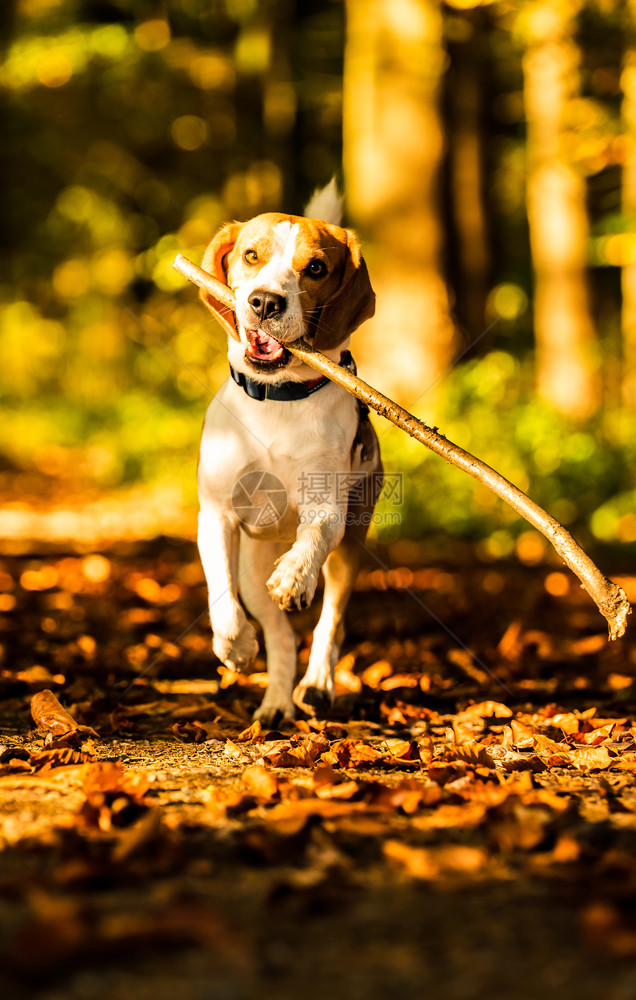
293,583
234,639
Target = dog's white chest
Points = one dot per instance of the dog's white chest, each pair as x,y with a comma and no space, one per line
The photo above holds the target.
290,440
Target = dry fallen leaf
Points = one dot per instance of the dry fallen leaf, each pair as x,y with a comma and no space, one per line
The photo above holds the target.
602,734
553,754
189,732
594,758
303,808
495,756
408,795
484,710
352,753
46,760
234,752
48,714
114,797
376,673
110,776
251,734
297,752
416,860
428,863
260,782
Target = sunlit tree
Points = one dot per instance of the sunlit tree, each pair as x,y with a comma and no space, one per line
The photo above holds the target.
564,332
628,82
466,114
393,144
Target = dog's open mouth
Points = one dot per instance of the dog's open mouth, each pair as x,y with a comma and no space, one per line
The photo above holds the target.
264,351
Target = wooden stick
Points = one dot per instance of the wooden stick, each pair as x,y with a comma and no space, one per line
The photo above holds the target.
204,280
610,599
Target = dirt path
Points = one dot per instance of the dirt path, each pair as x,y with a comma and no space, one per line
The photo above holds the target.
463,825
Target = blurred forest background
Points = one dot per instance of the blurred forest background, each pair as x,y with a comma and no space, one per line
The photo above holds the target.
488,155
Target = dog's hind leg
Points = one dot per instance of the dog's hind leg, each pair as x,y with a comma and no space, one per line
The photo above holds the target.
256,562
315,692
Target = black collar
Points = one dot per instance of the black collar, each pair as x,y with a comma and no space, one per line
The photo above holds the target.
285,391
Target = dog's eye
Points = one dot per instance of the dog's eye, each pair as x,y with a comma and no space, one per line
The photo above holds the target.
316,268
250,257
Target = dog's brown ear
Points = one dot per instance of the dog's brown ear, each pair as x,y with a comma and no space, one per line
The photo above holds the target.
350,305
215,263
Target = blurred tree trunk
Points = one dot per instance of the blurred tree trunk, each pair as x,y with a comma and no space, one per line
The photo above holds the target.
565,338
628,275
465,90
9,170
394,60
279,98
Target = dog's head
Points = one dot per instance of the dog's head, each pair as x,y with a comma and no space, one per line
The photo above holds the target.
293,277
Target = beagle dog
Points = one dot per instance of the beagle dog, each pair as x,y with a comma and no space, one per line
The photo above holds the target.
289,468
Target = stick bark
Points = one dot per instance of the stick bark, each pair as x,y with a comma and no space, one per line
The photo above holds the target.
610,599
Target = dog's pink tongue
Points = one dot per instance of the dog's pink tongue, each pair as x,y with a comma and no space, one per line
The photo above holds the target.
264,346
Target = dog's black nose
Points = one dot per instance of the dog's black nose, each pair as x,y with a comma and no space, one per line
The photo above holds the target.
267,304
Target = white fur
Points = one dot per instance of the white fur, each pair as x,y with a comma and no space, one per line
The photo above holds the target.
277,276
326,204
291,440
277,567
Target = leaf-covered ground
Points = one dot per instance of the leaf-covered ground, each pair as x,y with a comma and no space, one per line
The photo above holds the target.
463,825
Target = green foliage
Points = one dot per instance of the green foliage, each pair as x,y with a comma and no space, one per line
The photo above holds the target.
148,432
131,133
584,476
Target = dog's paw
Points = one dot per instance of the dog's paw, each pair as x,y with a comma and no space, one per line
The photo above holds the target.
273,708
236,652
313,699
292,585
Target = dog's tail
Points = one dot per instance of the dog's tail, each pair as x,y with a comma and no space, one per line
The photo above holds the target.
326,204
